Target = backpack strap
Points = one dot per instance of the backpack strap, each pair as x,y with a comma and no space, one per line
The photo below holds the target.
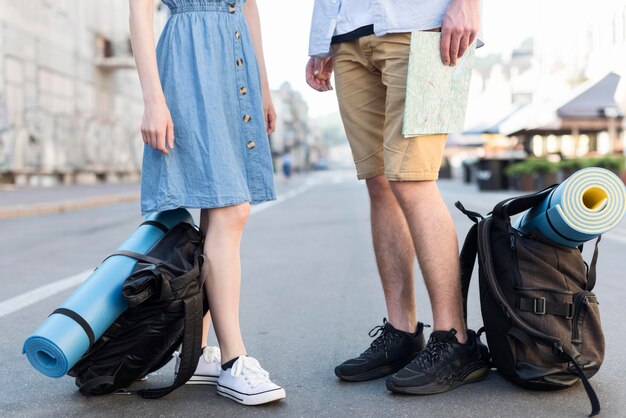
88,386
139,257
468,254
593,398
191,351
591,274
473,216
559,354
467,260
513,206
541,306
159,225
79,320
484,248
522,337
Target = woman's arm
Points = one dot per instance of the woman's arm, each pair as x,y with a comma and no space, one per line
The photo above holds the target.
157,125
251,13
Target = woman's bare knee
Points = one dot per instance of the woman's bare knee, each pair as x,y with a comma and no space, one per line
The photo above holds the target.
231,217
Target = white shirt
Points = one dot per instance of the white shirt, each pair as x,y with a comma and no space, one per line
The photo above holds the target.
388,16
353,14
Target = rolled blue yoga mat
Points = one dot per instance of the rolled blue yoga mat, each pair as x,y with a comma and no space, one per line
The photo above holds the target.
589,203
56,346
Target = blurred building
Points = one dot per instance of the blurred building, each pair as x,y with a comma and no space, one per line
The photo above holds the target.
575,54
295,134
70,102
70,99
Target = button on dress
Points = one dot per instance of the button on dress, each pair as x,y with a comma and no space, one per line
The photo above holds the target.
211,82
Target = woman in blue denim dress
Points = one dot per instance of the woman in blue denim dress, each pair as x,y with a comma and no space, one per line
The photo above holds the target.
208,113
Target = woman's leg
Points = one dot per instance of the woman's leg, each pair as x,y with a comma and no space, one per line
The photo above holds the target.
222,272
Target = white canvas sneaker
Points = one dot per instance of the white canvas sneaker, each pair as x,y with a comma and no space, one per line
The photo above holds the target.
208,369
248,384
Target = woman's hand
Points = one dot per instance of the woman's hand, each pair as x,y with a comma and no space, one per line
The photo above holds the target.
269,113
251,13
157,128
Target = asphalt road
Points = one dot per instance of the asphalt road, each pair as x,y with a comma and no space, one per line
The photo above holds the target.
310,295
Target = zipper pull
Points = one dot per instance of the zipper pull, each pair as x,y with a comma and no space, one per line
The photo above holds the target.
512,241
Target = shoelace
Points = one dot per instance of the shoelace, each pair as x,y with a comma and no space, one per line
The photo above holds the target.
383,340
433,351
212,354
251,370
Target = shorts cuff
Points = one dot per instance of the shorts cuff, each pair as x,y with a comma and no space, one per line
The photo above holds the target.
412,176
370,174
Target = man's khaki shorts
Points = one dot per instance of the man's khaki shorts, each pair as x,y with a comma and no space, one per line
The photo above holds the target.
370,76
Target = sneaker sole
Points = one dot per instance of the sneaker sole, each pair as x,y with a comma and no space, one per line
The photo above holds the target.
373,374
480,373
251,400
203,380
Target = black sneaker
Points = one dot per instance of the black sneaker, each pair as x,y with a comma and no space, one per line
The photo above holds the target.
444,365
389,352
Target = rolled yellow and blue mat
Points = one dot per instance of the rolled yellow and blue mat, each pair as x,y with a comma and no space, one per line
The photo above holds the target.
589,203
66,335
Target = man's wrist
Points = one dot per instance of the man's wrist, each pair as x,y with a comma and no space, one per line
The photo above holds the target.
321,56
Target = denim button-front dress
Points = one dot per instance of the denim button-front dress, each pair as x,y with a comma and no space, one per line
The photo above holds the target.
211,82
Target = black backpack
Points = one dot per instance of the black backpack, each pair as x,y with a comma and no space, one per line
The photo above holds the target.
165,308
541,318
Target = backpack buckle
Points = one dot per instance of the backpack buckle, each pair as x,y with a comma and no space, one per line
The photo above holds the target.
539,306
570,311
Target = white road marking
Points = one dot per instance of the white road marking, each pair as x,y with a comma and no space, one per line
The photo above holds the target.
282,198
31,297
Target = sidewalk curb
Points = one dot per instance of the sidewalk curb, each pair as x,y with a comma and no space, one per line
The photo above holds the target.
21,211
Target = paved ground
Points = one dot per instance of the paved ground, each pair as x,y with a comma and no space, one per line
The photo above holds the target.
26,201
310,295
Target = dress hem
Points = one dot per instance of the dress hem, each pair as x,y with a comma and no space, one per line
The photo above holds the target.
215,205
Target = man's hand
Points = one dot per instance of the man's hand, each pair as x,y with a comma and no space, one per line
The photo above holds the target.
318,73
459,29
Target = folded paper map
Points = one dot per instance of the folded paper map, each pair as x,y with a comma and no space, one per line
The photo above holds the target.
436,94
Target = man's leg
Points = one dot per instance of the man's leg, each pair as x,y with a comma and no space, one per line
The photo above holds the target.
412,165
437,250
361,95
452,356
395,254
